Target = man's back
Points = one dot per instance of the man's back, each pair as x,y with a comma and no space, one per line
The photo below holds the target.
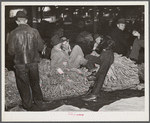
25,42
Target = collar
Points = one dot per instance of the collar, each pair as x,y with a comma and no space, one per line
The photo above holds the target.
23,25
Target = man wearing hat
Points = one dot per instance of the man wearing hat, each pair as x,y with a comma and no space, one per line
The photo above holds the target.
121,45
58,33
24,42
60,58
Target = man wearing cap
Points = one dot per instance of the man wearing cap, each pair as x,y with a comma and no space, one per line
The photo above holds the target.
121,45
60,57
24,42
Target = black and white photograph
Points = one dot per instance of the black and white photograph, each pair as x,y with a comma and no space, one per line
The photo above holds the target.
75,61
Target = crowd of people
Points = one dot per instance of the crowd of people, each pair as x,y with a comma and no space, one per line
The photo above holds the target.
25,43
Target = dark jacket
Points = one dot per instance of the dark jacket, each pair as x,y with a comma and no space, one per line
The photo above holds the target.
24,42
121,44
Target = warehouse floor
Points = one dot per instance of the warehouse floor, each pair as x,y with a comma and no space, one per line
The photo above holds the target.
104,99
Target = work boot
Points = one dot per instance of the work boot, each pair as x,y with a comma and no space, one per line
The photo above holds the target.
91,78
43,107
89,91
90,97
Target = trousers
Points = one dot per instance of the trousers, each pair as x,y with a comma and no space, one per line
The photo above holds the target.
105,60
27,80
92,60
77,57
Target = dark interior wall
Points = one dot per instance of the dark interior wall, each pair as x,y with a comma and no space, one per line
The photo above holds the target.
125,12
9,20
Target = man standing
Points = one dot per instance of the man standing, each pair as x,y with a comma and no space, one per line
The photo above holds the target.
121,45
24,42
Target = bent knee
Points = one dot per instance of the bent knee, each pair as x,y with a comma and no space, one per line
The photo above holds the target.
79,57
77,47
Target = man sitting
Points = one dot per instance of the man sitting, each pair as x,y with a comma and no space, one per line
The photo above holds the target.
60,57
105,60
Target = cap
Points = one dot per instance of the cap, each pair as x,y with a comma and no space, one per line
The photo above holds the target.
21,14
136,28
122,20
64,39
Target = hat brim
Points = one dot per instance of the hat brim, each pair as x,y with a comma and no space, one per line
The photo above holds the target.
121,23
21,17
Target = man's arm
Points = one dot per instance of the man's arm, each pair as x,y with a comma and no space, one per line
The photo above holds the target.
40,42
11,44
54,60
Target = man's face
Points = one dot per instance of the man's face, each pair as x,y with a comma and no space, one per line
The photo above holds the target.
65,44
98,40
135,33
121,26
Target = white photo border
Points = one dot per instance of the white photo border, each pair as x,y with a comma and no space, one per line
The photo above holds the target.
88,116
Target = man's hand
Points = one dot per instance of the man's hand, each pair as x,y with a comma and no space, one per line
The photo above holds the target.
44,49
64,63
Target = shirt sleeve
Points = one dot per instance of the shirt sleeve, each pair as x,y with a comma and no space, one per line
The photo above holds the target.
11,44
54,60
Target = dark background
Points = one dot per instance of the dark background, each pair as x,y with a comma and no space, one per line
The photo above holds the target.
74,19
100,19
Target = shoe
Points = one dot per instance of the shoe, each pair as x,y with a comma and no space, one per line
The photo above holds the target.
90,97
89,91
43,107
91,78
